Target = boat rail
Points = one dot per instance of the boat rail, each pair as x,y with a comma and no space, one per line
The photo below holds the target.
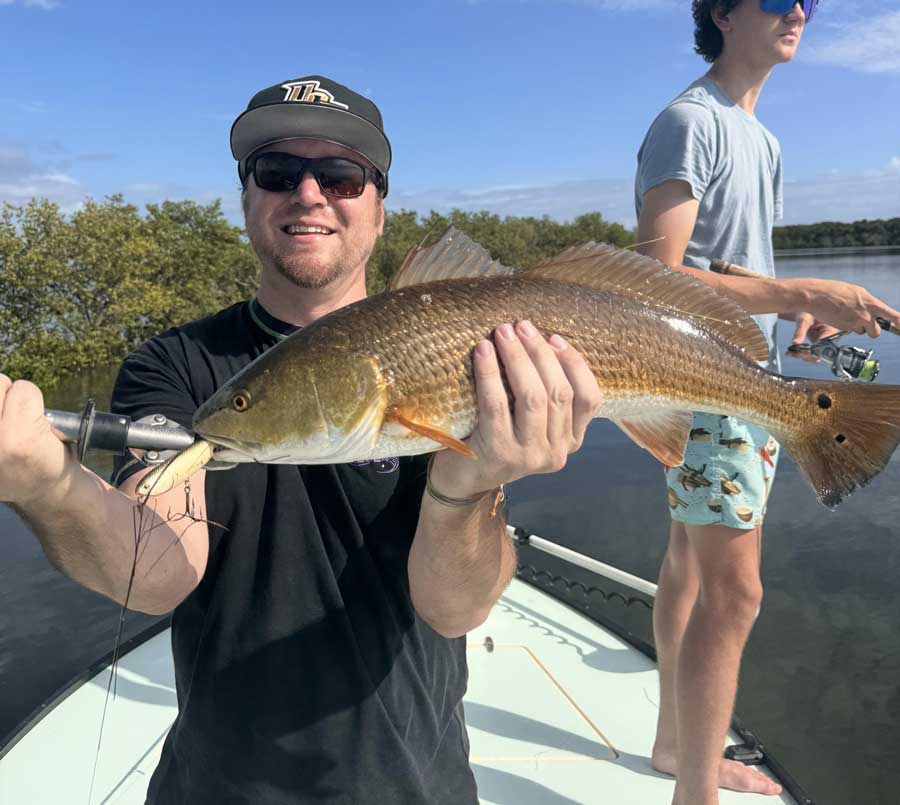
607,571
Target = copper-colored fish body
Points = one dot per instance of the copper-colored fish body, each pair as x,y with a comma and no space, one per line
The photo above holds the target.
392,375
412,349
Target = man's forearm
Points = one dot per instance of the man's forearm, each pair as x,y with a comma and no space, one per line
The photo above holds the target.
90,531
460,562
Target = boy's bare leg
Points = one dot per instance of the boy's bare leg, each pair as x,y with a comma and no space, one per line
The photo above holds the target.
699,640
678,584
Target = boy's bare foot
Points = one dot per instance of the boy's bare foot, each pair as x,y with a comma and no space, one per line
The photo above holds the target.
732,775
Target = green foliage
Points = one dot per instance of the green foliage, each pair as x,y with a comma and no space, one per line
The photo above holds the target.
82,292
518,242
835,234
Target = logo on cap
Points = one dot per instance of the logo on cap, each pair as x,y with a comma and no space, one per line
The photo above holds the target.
309,92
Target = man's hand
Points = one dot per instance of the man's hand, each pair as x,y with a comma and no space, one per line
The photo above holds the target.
34,463
555,397
842,306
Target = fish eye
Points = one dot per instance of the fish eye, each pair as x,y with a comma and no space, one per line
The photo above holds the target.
240,401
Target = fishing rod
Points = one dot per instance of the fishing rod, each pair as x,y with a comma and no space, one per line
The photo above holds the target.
156,435
846,362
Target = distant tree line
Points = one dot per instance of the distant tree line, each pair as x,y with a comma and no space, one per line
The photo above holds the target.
832,234
81,291
517,242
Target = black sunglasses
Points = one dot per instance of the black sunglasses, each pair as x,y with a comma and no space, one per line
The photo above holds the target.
279,172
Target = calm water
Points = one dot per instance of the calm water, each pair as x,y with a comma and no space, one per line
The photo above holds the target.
820,678
820,682
51,629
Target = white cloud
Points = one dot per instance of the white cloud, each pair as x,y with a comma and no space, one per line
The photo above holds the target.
610,5
56,187
627,5
21,179
32,106
830,197
46,5
563,201
839,197
57,177
868,44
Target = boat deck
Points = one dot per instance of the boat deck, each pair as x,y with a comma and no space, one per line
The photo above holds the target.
559,712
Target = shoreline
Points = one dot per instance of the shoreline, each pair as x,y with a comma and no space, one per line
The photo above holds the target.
835,251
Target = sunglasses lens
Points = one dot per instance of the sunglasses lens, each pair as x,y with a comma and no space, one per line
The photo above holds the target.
277,173
340,177
785,6
281,173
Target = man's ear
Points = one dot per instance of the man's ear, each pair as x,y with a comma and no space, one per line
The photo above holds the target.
379,223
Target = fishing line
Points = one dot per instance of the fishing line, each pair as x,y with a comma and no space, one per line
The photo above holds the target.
142,530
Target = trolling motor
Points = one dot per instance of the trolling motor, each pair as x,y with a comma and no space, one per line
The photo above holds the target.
847,363
151,439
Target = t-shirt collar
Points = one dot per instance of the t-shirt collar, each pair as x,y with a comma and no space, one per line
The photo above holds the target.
268,323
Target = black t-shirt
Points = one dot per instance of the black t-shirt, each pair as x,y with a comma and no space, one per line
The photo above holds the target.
303,672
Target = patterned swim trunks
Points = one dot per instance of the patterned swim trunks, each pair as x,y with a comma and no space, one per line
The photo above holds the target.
728,469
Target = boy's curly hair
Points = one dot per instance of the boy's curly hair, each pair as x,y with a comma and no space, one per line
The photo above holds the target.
708,40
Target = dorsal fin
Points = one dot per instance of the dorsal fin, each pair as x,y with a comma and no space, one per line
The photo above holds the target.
617,270
454,256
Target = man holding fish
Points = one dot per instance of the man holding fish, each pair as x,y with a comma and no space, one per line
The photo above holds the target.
322,591
709,186
319,610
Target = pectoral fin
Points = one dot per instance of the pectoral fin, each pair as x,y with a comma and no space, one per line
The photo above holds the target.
663,434
429,431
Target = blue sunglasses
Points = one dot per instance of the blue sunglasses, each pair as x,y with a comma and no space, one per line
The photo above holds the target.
784,6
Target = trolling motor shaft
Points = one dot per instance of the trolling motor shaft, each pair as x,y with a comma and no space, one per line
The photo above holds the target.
117,433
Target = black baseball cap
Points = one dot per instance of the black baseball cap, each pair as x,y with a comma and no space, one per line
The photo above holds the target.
312,107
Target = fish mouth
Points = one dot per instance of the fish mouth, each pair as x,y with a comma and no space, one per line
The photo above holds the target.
243,446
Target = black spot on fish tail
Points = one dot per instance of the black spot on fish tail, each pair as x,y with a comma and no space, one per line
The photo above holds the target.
853,431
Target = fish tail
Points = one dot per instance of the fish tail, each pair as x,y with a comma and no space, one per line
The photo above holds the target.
848,435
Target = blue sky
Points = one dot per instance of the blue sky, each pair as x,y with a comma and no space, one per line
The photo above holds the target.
516,106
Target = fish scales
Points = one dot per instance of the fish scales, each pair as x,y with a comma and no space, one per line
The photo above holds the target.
392,375
423,340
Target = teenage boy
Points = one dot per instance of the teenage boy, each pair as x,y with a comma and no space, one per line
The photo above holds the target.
708,185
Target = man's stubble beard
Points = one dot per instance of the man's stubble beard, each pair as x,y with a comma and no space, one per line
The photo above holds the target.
297,269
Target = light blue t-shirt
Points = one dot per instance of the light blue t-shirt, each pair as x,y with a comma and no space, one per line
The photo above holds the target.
733,165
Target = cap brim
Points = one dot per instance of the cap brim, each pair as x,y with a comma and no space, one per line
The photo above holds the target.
282,121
